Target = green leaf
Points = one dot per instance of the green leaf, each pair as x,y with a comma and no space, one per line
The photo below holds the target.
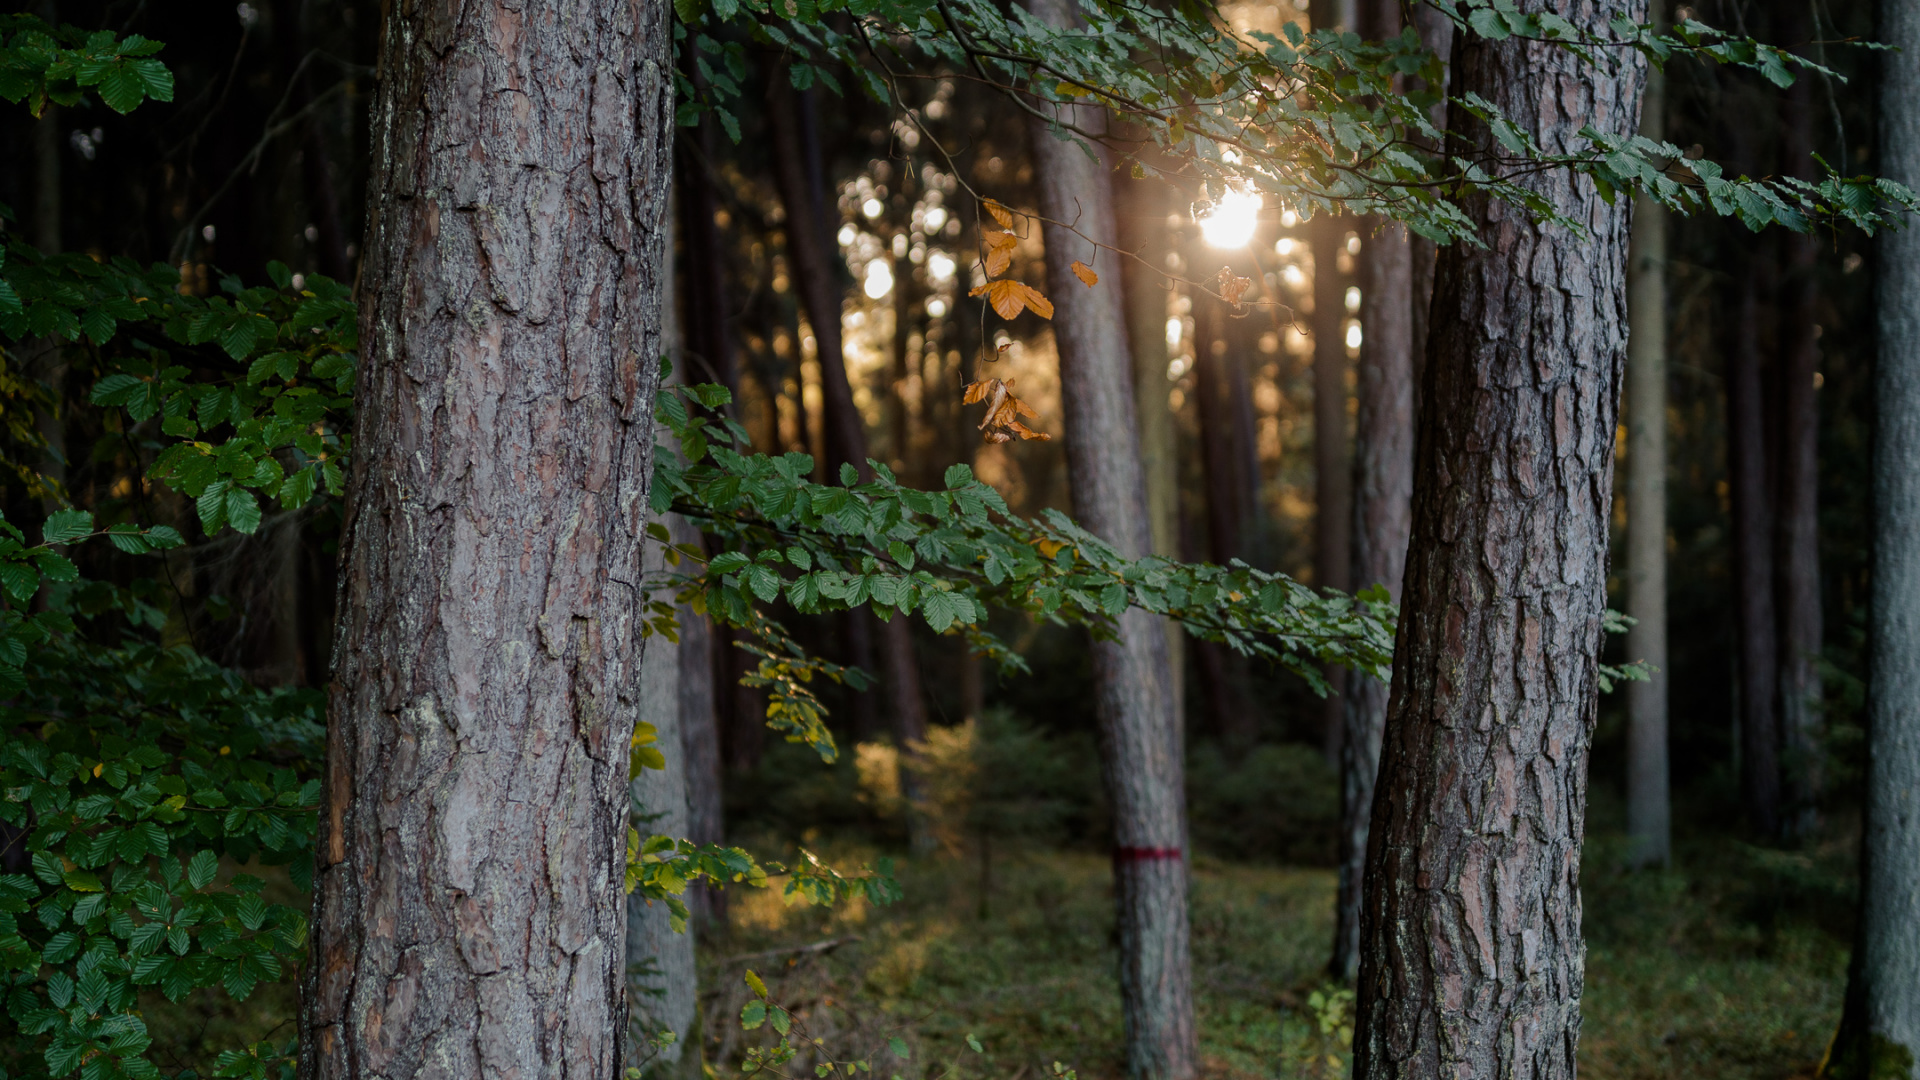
243,510
82,881
66,526
897,1044
756,984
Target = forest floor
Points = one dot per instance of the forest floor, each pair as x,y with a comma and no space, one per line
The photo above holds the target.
1686,976
1731,970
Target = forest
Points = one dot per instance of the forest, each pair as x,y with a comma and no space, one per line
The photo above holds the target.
960,539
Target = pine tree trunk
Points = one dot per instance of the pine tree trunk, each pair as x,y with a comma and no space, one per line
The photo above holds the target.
1221,672
1879,1037
1797,521
1471,957
1141,747
469,906
1752,504
1649,818
700,739
1142,206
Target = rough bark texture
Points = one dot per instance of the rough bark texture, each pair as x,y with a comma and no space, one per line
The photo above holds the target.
1880,1036
1141,746
1752,504
1471,958
469,913
1649,815
1382,519
1797,519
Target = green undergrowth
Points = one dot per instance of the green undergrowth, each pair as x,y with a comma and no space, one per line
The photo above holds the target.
1733,970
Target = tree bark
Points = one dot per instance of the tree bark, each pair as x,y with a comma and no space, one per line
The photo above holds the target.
1141,744
469,905
1879,1036
1649,816
1797,521
1471,958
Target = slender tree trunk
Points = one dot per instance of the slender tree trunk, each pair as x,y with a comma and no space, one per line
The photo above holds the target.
709,355
1436,32
1332,472
469,907
1879,1036
1649,819
1797,521
1471,957
1228,709
1141,744
1142,206
662,990
845,438
700,739
1752,504
1382,511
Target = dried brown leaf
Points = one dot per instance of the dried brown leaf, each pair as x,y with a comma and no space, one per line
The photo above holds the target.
996,397
978,391
1009,298
998,437
1232,288
1026,433
1000,247
1000,213
1085,273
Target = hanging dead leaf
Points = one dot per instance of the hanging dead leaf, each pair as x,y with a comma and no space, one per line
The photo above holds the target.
997,437
1000,213
1232,288
1001,352
1000,247
1085,273
1025,409
1025,433
978,391
995,396
1009,298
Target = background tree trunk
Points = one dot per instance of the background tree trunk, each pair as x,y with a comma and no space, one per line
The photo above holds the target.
1752,504
469,906
1382,510
1797,519
1142,207
1142,749
1649,817
1471,958
662,989
1879,1036
1229,504
1332,472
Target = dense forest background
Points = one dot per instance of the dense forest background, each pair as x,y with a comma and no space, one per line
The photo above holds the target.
1727,964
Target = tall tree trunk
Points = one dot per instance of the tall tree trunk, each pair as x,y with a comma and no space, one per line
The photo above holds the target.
1752,505
291,35
1141,207
700,739
1142,748
1436,32
1880,1030
1649,818
1221,672
1797,522
1332,472
1879,1036
1382,517
662,990
845,438
469,907
1471,958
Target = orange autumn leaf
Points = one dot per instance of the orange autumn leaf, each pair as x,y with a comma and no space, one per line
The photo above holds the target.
998,437
1009,298
977,392
1085,273
1021,430
1000,213
1000,247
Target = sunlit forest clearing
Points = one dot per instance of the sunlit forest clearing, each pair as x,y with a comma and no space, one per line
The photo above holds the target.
960,540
